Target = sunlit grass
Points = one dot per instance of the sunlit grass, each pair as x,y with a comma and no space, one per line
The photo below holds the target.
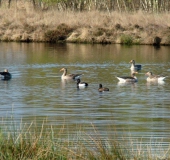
34,141
29,25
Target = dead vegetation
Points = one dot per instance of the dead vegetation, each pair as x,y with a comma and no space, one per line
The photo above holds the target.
26,24
39,140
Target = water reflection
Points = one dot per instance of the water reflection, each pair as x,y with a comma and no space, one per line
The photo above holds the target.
133,84
65,82
155,83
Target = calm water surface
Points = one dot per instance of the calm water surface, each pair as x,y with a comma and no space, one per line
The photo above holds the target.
36,90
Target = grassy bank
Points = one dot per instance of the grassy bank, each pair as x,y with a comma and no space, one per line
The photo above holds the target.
25,24
28,141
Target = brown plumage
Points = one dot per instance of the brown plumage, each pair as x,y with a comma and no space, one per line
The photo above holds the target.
102,89
69,76
152,77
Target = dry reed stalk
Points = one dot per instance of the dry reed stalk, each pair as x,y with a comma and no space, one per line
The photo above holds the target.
30,25
28,142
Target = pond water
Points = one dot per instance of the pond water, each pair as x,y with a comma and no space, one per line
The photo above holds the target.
141,110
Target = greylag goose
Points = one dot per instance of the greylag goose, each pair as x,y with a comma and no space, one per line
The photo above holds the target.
154,78
69,76
6,75
102,89
81,84
131,78
135,67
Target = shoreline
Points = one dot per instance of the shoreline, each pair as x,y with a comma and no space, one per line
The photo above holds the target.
87,35
65,34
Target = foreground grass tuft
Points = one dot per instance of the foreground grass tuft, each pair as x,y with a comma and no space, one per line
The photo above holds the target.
47,142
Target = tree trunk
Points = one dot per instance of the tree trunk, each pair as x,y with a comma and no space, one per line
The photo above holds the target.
9,3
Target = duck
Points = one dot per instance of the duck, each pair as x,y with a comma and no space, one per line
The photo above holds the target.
6,75
102,89
131,78
154,78
135,67
69,76
81,84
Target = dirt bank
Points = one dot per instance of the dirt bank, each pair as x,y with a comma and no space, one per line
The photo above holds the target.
134,34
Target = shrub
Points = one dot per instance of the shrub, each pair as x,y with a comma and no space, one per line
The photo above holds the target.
119,27
59,34
99,32
126,39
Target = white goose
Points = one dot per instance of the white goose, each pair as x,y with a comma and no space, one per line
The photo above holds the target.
69,76
131,78
154,78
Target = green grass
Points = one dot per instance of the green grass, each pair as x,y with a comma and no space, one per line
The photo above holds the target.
48,142
126,39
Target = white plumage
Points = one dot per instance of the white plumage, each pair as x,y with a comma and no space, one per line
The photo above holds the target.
153,78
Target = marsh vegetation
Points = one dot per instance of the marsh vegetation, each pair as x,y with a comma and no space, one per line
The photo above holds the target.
26,141
124,22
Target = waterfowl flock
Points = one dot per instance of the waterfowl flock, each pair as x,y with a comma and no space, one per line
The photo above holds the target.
122,79
137,67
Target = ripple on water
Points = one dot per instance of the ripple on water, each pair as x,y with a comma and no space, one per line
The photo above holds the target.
37,92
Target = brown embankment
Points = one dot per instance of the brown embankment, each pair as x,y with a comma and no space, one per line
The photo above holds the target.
28,25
